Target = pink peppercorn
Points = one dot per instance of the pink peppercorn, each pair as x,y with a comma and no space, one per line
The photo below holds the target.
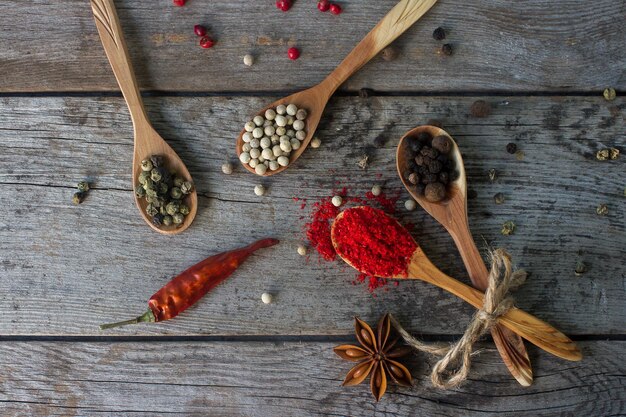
206,42
179,3
323,5
293,53
199,30
284,5
335,8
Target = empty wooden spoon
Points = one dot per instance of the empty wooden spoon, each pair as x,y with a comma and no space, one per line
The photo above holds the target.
418,266
147,140
452,214
314,99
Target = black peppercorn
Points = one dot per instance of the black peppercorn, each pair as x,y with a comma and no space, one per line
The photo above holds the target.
157,160
419,160
439,34
446,49
423,170
442,143
429,152
444,177
435,192
454,175
157,219
414,178
435,167
424,137
415,145
443,158
429,178
471,194
511,148
480,108
419,189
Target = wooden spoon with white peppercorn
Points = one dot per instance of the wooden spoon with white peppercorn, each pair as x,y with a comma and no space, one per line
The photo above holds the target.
451,212
314,99
147,141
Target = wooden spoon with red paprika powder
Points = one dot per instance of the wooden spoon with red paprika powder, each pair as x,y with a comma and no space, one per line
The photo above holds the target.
451,213
385,249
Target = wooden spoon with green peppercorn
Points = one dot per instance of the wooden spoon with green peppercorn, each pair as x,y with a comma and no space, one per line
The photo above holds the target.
450,209
314,100
147,141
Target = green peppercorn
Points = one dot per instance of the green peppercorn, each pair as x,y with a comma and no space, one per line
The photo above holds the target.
163,210
176,194
148,184
156,175
580,269
162,188
508,228
184,209
146,165
151,192
167,220
178,181
78,197
83,186
140,191
172,207
602,210
178,218
186,187
157,160
143,177
498,198
151,210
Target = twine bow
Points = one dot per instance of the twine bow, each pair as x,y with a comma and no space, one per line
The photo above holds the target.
497,301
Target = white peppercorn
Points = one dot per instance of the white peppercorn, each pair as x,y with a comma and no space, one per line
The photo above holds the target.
267,123
275,139
268,154
249,126
281,121
227,168
265,142
298,125
255,153
316,142
301,114
290,120
281,109
244,157
277,151
302,251
292,109
376,190
285,146
267,298
257,133
259,190
337,201
273,165
255,143
269,130
258,120
253,163
300,135
283,161
248,60
260,169
280,131
410,204
270,114
295,144
246,147
261,159
247,137
291,133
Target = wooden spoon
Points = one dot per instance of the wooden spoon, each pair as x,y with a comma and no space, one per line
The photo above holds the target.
314,99
525,325
452,214
147,140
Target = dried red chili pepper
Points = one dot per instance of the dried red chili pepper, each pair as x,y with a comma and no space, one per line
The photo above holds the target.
188,287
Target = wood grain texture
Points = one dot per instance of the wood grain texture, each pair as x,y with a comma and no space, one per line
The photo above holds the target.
66,269
285,378
536,45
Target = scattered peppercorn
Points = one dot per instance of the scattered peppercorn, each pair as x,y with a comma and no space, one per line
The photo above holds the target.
511,148
439,34
410,204
613,153
602,210
363,162
609,94
335,9
78,197
492,175
293,53
519,155
259,190
199,30
376,190
248,60
337,201
498,198
390,53
323,5
580,269
206,42
602,155
471,194
480,109
83,186
508,228
267,298
227,168
446,49
316,142
302,250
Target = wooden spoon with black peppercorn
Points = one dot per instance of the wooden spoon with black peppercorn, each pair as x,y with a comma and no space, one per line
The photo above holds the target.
147,141
314,99
447,203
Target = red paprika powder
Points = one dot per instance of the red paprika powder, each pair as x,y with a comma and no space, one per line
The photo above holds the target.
373,242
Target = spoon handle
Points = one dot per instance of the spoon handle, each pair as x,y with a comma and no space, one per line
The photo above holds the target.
398,20
525,325
112,38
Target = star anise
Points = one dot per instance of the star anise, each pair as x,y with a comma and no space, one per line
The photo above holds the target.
375,357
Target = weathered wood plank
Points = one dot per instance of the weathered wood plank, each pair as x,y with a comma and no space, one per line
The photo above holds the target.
277,379
536,45
65,269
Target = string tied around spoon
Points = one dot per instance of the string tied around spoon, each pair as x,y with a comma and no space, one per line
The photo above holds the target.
502,281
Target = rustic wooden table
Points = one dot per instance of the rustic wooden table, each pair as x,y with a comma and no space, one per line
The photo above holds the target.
65,269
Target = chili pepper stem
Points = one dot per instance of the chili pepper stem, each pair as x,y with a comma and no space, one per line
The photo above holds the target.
148,317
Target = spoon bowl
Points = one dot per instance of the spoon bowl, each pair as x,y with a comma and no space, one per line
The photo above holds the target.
147,141
451,212
418,266
402,16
